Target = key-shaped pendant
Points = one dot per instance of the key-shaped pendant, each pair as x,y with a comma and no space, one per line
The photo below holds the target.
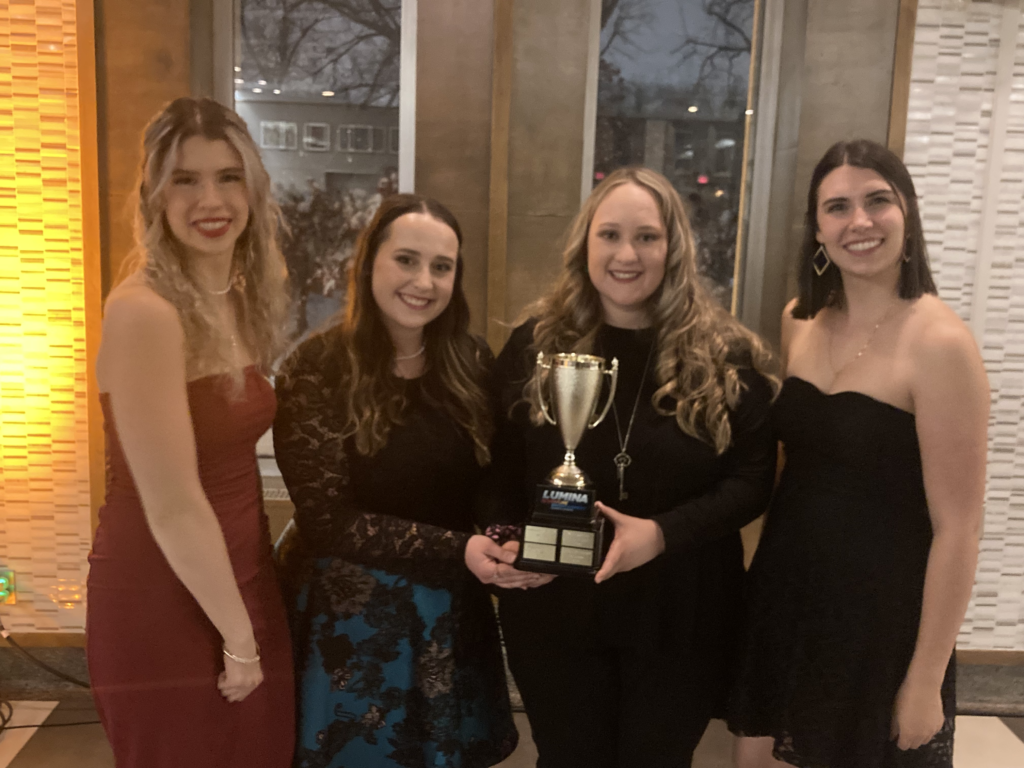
622,460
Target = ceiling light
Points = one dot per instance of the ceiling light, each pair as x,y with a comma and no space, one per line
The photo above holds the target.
692,108
327,93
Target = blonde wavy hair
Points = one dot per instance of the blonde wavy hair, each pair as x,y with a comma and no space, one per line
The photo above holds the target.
700,346
259,275
360,355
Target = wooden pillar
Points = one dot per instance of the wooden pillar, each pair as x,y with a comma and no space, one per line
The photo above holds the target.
142,62
453,127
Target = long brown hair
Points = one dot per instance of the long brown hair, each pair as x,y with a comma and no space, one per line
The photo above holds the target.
361,352
700,346
259,274
826,290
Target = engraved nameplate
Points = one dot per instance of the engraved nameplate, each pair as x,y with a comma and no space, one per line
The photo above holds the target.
578,539
540,535
574,556
543,552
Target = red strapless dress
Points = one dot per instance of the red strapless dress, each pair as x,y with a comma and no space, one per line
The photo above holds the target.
154,656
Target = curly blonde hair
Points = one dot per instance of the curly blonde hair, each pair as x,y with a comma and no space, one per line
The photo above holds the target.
360,353
259,275
701,347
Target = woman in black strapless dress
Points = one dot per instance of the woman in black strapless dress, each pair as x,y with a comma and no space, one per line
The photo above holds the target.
865,567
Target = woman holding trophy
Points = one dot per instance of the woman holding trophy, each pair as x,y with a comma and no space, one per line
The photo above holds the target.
623,663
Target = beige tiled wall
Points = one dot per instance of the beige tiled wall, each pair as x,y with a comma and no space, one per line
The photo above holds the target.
44,427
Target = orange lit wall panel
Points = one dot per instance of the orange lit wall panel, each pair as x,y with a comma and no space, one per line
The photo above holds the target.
44,397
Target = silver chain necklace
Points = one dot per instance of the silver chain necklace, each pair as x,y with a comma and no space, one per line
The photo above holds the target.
623,459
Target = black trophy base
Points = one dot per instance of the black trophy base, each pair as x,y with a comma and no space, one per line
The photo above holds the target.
562,535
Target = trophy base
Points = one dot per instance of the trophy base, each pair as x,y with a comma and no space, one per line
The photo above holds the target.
562,536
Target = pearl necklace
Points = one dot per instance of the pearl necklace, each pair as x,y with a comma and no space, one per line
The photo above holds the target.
220,293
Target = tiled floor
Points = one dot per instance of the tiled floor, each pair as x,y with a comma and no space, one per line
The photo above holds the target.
73,746
982,742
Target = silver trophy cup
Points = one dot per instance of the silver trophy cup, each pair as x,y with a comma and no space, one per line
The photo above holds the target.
564,533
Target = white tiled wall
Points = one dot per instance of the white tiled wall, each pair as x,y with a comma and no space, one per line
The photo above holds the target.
953,97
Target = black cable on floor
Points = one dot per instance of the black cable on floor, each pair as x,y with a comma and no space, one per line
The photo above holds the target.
6,714
7,709
38,662
48,725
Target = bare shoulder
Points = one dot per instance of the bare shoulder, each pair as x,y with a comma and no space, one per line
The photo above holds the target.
142,333
133,308
933,330
942,347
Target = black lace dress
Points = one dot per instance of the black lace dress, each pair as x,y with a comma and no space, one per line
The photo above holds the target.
399,662
836,587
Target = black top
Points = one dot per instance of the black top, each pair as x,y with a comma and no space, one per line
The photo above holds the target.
408,508
699,499
837,584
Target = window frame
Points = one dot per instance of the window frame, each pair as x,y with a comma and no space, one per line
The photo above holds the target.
289,130
306,138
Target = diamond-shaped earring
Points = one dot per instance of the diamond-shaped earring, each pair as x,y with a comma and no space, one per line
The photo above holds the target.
820,261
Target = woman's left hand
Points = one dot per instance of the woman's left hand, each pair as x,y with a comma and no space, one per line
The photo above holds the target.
493,564
637,541
917,715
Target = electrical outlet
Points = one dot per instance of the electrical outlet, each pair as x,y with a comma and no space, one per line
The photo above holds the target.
8,594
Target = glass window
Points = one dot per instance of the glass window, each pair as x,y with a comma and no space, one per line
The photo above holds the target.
393,141
359,138
316,137
278,135
333,68
673,95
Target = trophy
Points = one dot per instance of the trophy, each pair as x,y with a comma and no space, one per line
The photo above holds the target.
565,533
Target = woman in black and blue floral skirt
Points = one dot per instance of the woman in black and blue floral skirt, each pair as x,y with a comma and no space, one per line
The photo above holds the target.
381,434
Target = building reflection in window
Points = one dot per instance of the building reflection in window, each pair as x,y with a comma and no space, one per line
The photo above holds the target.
317,82
673,90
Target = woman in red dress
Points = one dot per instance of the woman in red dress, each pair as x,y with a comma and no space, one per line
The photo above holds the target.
188,643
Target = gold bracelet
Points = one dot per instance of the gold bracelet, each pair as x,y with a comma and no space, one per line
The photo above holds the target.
240,659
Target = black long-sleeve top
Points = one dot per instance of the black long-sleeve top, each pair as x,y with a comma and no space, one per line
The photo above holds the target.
698,498
408,508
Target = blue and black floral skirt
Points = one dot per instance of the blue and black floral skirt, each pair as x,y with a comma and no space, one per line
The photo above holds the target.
395,673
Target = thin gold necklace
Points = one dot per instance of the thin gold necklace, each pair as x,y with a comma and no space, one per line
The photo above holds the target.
862,350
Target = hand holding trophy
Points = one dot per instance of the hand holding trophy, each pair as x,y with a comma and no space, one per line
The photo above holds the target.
565,532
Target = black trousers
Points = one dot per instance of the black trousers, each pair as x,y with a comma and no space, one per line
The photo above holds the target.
597,705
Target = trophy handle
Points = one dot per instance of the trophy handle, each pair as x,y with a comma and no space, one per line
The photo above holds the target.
540,389
614,373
